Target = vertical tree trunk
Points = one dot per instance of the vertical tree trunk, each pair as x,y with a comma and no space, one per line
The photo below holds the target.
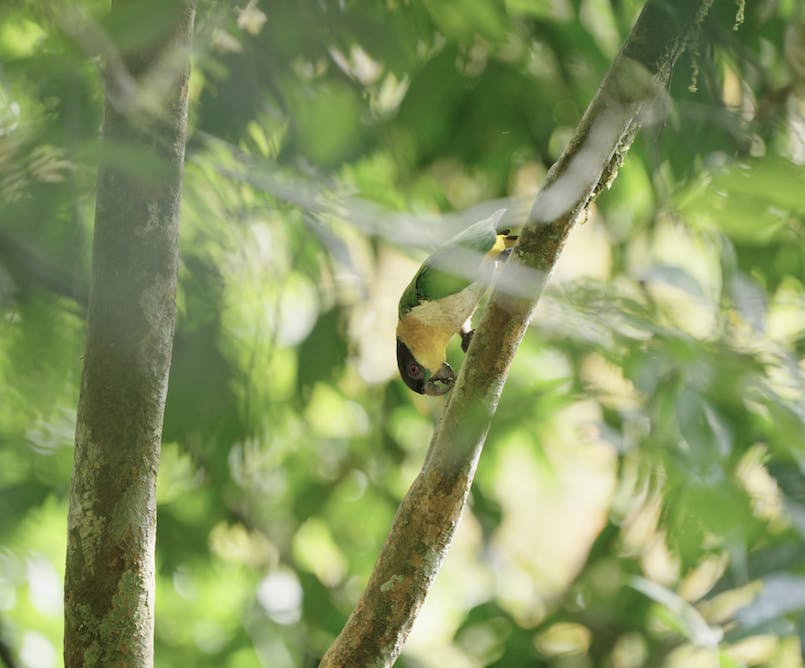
109,585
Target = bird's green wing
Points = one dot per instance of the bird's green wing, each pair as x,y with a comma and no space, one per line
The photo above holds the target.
451,268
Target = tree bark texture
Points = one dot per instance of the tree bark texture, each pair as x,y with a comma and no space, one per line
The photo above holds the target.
427,518
109,584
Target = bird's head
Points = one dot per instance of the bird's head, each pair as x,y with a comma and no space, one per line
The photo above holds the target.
421,379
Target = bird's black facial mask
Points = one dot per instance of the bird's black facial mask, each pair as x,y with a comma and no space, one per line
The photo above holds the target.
419,378
411,371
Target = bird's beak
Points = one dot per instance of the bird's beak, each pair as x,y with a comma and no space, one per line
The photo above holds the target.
441,381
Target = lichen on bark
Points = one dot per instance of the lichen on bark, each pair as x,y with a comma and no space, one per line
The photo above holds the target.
109,582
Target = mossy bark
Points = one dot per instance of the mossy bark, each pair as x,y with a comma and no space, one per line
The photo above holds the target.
428,515
109,585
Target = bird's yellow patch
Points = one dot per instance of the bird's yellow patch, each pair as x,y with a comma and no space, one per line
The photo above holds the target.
502,242
427,328
427,344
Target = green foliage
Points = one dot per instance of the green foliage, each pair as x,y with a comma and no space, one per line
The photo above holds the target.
641,499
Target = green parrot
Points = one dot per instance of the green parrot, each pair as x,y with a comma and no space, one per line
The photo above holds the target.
438,303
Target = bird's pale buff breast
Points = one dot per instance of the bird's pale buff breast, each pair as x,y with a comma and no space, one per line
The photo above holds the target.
427,327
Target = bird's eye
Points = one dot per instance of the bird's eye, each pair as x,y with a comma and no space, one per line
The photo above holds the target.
414,370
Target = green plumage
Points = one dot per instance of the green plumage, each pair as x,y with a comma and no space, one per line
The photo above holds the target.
434,281
440,300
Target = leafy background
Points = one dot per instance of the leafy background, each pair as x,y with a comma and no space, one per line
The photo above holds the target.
641,498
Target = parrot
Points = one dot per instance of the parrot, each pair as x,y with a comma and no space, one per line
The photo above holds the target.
439,303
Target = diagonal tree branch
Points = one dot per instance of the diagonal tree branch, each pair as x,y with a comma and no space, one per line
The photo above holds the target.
426,520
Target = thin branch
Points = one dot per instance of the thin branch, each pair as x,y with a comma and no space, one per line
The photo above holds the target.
427,518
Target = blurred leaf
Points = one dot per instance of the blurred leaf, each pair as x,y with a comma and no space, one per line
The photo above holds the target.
676,276
781,595
463,20
537,8
777,181
685,617
702,428
327,123
784,557
752,202
749,299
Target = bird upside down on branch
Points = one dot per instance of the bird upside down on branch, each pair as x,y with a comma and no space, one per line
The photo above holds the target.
441,298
